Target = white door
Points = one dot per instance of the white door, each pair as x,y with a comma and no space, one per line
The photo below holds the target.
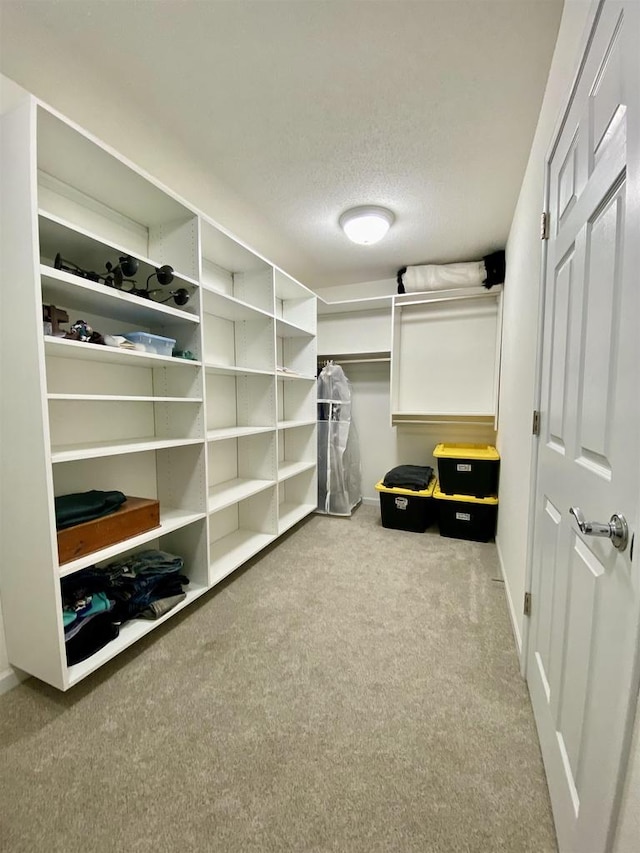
583,643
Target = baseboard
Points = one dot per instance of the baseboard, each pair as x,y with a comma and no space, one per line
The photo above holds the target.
370,501
10,678
512,610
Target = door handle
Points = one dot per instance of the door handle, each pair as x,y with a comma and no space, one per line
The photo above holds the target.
615,529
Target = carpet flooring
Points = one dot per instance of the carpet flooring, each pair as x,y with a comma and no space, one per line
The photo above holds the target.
354,689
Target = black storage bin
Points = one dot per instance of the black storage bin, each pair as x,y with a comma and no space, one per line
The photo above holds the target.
465,517
468,469
404,509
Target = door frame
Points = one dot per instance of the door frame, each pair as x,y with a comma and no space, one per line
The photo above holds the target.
593,17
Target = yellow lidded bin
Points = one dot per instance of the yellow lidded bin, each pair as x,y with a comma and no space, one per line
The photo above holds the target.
405,509
466,517
468,469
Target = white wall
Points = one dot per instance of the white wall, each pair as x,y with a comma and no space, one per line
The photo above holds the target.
520,321
382,446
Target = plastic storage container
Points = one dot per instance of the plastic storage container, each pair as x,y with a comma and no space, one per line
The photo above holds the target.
155,344
468,469
466,517
404,509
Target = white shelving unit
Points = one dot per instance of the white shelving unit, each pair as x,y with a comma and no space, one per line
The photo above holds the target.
223,437
449,343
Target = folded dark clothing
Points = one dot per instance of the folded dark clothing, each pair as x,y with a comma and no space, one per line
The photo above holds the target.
163,605
413,477
95,633
149,562
133,595
85,506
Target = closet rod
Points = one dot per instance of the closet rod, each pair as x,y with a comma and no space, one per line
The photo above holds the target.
438,421
353,360
455,298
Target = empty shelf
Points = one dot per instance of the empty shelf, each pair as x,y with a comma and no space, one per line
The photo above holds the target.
232,491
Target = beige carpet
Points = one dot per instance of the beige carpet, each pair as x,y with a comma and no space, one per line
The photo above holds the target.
355,689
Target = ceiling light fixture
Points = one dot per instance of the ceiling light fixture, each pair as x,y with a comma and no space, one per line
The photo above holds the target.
367,224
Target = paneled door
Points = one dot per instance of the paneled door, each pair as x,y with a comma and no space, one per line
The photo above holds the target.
583,646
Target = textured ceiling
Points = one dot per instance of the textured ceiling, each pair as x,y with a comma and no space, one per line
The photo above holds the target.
305,108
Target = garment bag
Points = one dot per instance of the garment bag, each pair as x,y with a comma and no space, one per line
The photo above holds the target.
339,474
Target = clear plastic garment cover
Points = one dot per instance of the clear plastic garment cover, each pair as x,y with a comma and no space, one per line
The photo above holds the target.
339,472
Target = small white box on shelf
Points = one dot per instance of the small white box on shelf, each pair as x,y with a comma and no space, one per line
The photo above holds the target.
151,343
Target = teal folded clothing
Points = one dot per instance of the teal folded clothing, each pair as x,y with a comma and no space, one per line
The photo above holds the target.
97,602
85,506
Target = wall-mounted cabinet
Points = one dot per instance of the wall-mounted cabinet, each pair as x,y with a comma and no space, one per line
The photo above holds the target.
209,427
445,356
355,329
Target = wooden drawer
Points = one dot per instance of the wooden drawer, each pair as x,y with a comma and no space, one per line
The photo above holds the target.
136,515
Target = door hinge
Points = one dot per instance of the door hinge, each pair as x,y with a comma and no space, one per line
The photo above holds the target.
535,426
544,226
527,604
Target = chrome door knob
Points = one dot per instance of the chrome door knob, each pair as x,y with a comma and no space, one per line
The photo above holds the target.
616,529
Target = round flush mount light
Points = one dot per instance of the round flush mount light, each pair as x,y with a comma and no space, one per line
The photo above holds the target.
367,224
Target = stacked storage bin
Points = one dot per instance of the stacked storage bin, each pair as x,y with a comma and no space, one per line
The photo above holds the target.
466,491
404,508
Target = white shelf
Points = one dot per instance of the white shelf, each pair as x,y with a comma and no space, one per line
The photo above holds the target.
63,348
347,306
449,342
285,329
292,375
438,419
355,357
236,432
229,307
230,370
452,295
95,450
230,492
233,550
65,235
68,425
290,514
121,398
130,633
170,520
293,424
63,287
290,469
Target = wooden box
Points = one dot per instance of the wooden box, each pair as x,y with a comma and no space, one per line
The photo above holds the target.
135,516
